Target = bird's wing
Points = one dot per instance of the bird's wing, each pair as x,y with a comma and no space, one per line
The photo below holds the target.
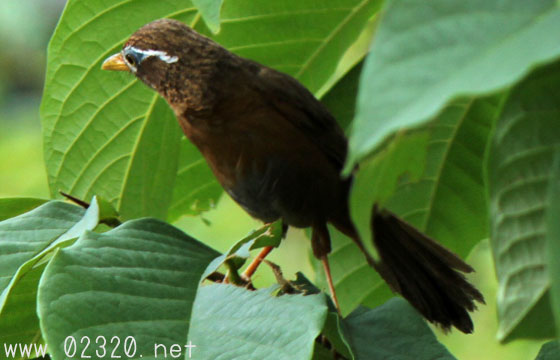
298,106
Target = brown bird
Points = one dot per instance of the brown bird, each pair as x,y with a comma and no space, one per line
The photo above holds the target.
279,153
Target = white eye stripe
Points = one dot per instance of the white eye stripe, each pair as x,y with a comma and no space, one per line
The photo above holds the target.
162,55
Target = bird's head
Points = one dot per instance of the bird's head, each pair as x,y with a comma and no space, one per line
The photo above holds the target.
171,58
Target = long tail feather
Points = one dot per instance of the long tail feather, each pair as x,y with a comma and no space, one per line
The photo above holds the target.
424,272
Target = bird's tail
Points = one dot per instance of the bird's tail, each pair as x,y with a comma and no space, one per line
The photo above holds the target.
425,273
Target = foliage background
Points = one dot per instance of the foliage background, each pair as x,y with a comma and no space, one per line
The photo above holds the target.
25,28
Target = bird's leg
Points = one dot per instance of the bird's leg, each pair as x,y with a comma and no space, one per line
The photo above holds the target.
325,262
321,244
256,262
260,257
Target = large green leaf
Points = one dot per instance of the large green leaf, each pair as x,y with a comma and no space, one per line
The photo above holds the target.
549,351
341,98
210,11
404,158
433,177
25,236
526,139
553,237
196,189
19,323
448,200
304,38
138,280
233,323
420,176
10,207
426,53
26,241
393,331
108,134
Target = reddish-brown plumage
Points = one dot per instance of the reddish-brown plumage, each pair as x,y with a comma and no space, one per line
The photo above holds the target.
278,152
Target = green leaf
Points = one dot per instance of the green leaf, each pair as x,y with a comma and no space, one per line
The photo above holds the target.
138,280
553,237
18,321
549,351
423,188
267,235
421,58
356,282
233,323
334,333
332,329
303,38
210,11
321,353
107,213
448,200
378,178
108,134
196,189
11,207
393,331
526,139
18,299
152,168
432,178
25,236
341,98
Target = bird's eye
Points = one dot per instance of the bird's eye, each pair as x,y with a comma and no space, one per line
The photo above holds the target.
130,59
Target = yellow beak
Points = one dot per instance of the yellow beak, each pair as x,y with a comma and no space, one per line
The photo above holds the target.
115,62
